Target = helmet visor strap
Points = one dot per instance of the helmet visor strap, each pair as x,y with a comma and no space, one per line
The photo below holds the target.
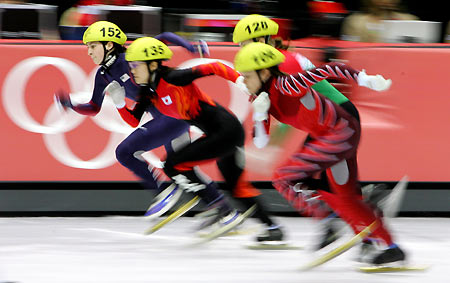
105,52
261,89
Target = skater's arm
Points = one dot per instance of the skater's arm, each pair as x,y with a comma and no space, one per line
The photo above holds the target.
169,37
90,108
330,92
261,135
323,87
298,84
261,120
184,77
132,116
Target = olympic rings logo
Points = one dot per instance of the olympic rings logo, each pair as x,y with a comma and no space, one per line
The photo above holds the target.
56,124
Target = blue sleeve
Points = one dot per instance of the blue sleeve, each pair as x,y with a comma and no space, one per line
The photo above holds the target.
95,104
176,39
131,88
100,84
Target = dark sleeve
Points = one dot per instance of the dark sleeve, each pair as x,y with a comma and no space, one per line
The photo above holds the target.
95,104
184,77
169,37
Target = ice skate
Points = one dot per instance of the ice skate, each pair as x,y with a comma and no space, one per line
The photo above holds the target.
174,215
272,238
271,234
212,217
356,239
366,251
207,213
226,224
163,202
331,230
392,255
329,236
392,259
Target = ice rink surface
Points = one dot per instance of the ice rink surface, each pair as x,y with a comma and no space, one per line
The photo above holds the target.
114,249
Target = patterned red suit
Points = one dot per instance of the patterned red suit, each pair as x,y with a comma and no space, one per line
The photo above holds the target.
333,147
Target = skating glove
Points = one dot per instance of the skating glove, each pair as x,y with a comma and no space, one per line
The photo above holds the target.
375,82
203,48
62,100
241,85
260,107
117,93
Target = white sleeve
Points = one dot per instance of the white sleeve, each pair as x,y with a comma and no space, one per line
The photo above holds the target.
261,138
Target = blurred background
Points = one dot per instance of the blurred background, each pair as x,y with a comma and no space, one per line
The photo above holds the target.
211,20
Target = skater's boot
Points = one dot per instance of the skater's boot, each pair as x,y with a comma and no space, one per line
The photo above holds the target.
213,215
271,234
163,202
367,250
228,222
391,255
330,231
209,212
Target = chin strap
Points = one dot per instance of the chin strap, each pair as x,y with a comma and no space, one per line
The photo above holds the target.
263,84
154,76
110,59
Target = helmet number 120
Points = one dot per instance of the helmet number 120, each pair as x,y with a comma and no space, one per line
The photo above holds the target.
257,26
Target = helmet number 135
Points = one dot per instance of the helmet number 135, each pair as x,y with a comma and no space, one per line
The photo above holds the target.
154,50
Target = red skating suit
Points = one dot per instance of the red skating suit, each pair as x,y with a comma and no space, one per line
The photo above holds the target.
179,97
294,62
335,137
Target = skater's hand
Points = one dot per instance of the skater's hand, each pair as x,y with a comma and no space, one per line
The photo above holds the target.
375,82
260,107
117,93
62,100
202,48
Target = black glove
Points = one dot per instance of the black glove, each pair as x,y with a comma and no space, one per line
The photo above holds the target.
62,98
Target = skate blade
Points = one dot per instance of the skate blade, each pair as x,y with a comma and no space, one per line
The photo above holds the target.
175,215
274,246
236,232
380,269
243,231
342,248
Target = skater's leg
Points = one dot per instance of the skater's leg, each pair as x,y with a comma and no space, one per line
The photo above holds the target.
346,199
153,134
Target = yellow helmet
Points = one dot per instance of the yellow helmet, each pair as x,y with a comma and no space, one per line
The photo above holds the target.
104,31
253,26
257,56
147,49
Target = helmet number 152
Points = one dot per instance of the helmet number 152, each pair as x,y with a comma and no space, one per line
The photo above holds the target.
111,32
